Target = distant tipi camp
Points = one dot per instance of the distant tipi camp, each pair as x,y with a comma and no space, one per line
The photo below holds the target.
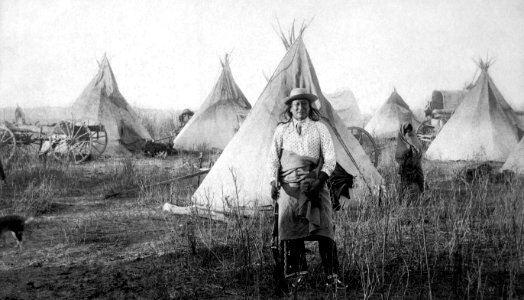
387,120
240,176
102,102
346,106
219,117
483,127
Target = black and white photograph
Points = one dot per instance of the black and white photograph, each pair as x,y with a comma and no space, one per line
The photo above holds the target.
301,149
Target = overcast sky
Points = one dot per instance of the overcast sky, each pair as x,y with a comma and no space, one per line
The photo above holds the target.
165,54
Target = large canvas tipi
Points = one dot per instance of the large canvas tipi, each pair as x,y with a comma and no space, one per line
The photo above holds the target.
483,127
219,117
240,176
102,102
515,161
345,104
387,120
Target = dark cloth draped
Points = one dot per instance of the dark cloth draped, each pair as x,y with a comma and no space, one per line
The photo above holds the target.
339,184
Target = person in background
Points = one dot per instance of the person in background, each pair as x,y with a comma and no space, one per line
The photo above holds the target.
408,155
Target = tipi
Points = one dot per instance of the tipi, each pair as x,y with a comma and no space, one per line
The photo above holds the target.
239,176
387,120
19,116
101,102
219,117
345,104
483,127
515,161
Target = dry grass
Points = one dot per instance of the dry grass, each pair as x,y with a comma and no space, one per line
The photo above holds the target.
459,240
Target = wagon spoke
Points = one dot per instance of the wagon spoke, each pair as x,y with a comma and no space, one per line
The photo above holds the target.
80,148
84,134
7,144
76,131
81,152
4,141
64,128
70,129
80,145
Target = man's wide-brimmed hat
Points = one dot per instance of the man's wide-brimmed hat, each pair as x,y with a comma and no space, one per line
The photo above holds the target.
302,93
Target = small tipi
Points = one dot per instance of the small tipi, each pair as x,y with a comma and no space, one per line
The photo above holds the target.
515,161
219,117
482,128
240,176
345,104
102,102
387,120
19,116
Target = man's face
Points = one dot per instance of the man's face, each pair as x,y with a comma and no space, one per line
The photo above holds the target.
300,109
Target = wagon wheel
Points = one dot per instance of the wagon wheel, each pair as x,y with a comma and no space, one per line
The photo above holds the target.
71,141
7,144
98,141
426,133
366,141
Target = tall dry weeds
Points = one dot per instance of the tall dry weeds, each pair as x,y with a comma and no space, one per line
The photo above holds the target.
465,237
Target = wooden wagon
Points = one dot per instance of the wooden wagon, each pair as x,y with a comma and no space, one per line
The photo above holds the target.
64,140
438,111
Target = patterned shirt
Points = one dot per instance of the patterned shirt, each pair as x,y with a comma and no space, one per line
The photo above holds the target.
313,137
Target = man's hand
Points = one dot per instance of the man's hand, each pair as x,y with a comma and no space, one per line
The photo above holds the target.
275,193
306,184
311,184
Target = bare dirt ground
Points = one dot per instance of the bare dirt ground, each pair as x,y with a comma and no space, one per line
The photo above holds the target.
88,247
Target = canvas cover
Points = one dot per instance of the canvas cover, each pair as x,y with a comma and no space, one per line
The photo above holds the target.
102,102
219,117
448,100
240,176
515,161
345,104
387,120
483,127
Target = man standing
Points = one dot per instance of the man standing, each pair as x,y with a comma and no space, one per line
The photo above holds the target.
301,158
